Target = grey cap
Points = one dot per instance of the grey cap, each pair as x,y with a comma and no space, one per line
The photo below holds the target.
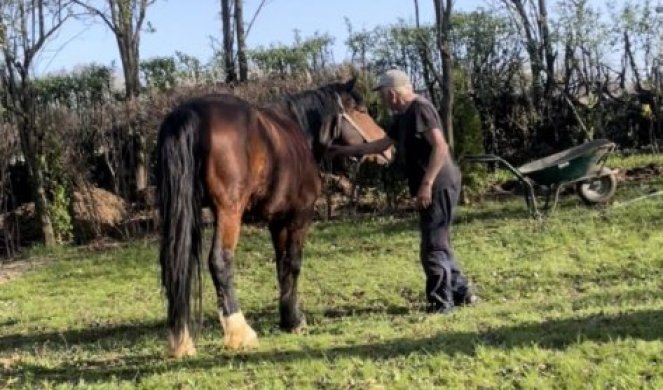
393,78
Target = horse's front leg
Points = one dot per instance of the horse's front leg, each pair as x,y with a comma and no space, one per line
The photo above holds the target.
288,238
237,333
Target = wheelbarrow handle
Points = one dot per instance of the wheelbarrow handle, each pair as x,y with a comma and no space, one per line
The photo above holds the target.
485,158
481,158
529,189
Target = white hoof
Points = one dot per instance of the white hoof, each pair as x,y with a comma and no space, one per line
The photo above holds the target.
237,334
180,345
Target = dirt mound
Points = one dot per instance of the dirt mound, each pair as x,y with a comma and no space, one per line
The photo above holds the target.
97,212
647,172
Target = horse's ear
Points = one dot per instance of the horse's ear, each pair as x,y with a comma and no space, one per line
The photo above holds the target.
350,85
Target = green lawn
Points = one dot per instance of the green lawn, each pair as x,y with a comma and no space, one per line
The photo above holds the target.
572,302
635,160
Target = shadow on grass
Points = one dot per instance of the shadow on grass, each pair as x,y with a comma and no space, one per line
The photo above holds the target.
492,214
552,334
266,319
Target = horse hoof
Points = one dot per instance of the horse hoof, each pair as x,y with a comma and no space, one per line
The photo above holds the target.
181,345
237,333
298,328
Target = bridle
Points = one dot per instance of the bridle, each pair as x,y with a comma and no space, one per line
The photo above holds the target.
342,115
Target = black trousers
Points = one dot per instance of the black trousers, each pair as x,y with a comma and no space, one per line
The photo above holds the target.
446,286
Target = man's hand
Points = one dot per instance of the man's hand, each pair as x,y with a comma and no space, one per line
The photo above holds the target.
425,195
359,150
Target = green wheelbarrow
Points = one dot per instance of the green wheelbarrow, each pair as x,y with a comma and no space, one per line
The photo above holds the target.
582,166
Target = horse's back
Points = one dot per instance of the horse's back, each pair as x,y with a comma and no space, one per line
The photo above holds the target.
258,158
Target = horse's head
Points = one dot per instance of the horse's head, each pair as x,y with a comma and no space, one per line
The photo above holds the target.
352,124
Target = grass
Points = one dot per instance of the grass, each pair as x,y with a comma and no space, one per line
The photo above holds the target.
572,302
634,160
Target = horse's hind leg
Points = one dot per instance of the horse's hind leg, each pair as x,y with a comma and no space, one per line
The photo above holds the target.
288,241
237,333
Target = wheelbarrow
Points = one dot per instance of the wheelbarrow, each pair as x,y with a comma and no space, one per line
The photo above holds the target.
583,165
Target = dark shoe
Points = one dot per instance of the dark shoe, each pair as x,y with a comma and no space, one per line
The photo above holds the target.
470,300
467,300
441,309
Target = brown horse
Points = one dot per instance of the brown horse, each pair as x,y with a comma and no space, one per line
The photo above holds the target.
245,158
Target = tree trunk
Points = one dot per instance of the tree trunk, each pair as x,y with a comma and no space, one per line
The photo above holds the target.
41,202
141,162
129,55
629,55
241,42
443,21
427,66
229,60
533,51
33,157
547,46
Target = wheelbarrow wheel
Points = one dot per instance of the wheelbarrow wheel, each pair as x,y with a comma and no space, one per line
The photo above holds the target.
598,190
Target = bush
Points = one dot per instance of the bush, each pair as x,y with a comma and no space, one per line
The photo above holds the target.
469,140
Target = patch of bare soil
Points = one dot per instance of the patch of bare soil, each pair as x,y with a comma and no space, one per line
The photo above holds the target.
648,172
10,270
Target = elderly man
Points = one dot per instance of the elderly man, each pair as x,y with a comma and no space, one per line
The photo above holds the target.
433,178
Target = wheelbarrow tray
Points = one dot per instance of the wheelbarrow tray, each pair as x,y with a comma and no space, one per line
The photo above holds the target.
569,165
579,164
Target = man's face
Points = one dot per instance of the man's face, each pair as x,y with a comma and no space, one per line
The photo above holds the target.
388,97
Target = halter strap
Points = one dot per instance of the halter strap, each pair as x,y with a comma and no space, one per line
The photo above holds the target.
347,117
344,115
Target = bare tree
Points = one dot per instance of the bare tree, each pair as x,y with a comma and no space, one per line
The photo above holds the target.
241,41
25,28
262,4
126,18
430,76
542,21
532,44
443,26
228,52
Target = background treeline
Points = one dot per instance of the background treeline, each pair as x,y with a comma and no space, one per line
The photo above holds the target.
521,78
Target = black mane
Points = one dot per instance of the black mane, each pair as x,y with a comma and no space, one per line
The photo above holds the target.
312,108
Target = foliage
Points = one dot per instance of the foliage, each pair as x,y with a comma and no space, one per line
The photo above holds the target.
468,138
59,210
86,87
303,56
159,73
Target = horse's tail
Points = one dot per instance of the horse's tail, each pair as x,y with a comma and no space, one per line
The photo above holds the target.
181,191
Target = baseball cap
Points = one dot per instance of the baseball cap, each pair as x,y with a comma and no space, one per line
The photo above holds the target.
393,78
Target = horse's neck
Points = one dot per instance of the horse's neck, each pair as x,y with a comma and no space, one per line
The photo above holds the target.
283,108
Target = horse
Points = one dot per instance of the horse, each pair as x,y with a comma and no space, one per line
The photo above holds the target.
240,157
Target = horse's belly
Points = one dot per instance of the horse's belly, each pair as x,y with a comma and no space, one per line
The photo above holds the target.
286,195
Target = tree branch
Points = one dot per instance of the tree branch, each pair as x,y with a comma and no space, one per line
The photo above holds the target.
629,54
141,14
98,13
255,15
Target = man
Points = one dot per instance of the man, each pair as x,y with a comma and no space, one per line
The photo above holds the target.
433,178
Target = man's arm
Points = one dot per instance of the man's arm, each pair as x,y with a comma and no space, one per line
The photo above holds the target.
440,149
438,155
373,147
